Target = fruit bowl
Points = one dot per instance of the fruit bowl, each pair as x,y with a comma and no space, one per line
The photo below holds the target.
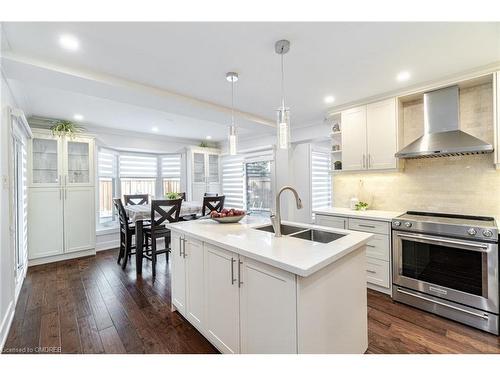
228,219
227,216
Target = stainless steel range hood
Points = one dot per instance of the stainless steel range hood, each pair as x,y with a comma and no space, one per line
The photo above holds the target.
442,137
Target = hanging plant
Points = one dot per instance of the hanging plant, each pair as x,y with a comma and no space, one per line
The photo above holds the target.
65,128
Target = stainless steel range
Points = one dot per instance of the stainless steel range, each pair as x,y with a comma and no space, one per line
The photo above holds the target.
448,265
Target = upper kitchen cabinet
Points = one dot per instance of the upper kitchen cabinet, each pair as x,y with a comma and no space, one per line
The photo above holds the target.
354,138
369,136
203,171
60,161
381,135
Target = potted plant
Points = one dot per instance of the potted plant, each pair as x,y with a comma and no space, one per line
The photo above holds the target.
172,195
65,128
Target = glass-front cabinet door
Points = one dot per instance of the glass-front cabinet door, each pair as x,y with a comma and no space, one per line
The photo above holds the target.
199,167
78,161
46,161
213,168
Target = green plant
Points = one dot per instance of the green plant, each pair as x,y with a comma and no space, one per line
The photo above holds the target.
361,206
65,127
172,195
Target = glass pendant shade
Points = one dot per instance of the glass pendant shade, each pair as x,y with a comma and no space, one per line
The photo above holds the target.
232,140
283,128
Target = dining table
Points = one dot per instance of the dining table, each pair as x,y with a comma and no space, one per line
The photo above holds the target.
139,213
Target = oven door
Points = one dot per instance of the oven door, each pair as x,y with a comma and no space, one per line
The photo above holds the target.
457,270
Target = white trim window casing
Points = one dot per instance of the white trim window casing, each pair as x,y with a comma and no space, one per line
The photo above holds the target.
321,180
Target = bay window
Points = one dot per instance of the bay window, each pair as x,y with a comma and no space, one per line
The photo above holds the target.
124,173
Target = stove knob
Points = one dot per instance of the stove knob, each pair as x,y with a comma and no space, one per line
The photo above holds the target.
472,232
487,233
397,223
408,224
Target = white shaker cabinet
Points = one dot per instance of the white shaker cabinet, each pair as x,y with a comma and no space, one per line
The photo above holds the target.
354,139
195,282
61,192
178,282
246,306
381,135
369,136
268,318
45,218
222,299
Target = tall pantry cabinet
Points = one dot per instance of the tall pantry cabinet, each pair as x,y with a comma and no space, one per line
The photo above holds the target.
61,213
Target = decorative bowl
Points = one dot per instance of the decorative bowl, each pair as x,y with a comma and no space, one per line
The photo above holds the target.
228,219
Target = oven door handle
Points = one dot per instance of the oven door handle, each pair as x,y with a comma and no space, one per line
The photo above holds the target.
465,245
483,315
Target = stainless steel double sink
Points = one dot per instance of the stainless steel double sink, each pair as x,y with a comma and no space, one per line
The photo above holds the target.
303,233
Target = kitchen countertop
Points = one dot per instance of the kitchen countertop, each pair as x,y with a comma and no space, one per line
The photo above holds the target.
298,256
368,214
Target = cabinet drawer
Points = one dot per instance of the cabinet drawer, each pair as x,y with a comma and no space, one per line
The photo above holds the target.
378,247
371,226
331,221
377,272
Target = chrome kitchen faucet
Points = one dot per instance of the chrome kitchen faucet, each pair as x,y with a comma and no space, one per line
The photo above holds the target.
276,217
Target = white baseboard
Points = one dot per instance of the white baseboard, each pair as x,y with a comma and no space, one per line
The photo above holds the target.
107,245
6,323
57,258
380,289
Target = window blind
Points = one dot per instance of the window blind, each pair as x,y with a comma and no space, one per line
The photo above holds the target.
106,163
171,166
321,182
233,181
138,166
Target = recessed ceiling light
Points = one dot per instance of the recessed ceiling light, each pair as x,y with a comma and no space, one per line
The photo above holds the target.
208,137
329,99
78,117
403,76
69,42
154,128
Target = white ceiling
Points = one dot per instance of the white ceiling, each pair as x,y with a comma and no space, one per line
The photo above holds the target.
347,60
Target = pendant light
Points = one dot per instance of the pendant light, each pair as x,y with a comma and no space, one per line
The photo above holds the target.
283,114
232,77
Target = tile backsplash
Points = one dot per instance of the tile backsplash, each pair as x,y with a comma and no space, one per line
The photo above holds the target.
459,184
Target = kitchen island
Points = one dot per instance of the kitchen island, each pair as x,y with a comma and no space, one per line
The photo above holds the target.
248,291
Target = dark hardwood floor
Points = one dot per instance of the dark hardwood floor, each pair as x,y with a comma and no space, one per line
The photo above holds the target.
90,305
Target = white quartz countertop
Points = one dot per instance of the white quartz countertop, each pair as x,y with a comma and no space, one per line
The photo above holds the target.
298,256
368,214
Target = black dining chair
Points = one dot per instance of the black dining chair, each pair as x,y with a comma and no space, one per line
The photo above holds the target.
183,196
162,211
127,231
212,204
133,199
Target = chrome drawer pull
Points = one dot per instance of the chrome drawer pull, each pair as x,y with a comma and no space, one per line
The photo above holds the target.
370,245
366,226
371,271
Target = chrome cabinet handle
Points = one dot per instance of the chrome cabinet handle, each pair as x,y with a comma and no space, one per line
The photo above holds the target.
367,245
180,246
366,226
184,248
240,283
232,271
371,271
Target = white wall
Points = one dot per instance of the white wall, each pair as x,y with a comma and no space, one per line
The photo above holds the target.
7,282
